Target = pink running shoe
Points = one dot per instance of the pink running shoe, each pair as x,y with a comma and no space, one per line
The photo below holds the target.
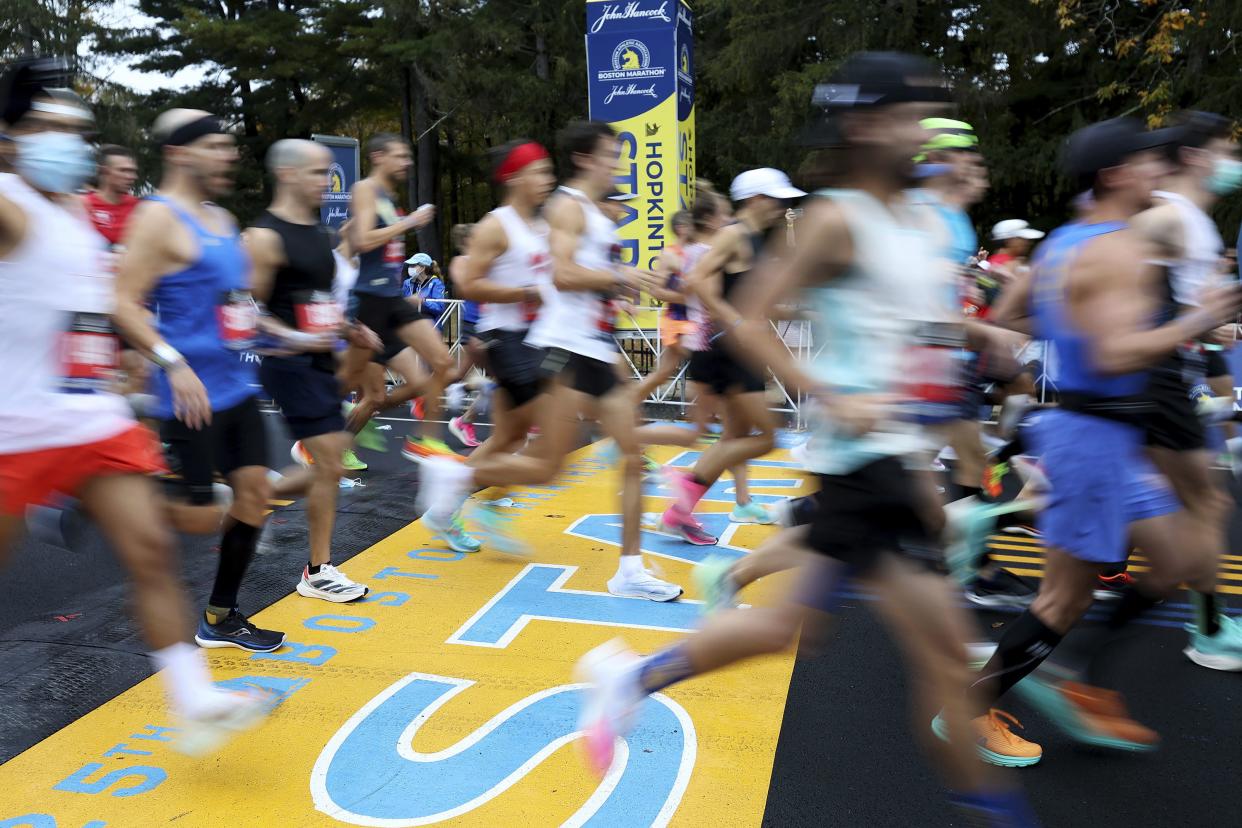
464,431
677,522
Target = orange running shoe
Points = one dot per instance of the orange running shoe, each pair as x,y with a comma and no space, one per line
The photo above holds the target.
417,408
424,447
1090,715
995,743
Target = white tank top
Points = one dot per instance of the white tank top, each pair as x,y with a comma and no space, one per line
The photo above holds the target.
48,345
867,319
698,341
1198,268
582,322
524,263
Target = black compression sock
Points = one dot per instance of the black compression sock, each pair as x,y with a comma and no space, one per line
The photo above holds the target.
1023,647
1207,613
971,491
1011,449
313,569
236,549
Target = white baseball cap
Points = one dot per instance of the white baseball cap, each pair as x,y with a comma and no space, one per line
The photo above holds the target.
1015,229
764,181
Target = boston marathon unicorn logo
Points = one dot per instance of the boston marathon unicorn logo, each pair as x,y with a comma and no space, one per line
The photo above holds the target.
631,56
336,178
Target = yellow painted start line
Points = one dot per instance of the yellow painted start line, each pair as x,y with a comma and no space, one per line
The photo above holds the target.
1025,556
447,696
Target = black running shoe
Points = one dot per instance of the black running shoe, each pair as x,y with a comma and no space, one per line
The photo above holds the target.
1004,589
237,631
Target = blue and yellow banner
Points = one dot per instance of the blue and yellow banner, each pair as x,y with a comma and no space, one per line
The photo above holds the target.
342,175
640,65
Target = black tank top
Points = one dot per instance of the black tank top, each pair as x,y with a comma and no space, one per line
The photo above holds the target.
381,270
302,288
732,280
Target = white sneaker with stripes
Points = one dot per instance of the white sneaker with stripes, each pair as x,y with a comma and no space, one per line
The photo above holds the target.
330,584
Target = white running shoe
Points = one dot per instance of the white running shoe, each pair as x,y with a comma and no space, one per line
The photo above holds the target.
612,700
443,487
643,585
264,545
331,584
224,714
299,455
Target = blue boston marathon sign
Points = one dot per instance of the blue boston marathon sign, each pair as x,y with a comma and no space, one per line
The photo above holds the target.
342,175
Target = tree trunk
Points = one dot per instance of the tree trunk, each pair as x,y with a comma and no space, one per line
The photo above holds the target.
427,164
407,130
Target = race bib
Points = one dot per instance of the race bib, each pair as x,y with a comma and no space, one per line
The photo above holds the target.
315,312
607,321
90,354
394,252
933,371
239,320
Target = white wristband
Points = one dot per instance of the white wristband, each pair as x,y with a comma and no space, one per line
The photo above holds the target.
166,356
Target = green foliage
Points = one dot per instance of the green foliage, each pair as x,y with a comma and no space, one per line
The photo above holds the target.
465,75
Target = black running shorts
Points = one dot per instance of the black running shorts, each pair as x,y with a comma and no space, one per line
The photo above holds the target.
871,512
515,365
1217,364
720,371
1174,424
234,440
386,315
309,396
581,373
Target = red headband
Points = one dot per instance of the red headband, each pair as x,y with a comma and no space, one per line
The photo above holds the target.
519,157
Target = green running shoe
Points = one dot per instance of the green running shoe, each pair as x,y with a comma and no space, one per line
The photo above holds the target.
497,528
351,462
751,513
715,585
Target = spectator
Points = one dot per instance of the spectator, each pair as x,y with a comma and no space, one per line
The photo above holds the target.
426,285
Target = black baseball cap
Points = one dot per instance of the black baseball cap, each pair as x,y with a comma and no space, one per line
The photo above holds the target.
870,79
28,78
1108,144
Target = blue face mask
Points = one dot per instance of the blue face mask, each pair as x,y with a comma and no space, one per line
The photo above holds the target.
55,162
1226,176
931,170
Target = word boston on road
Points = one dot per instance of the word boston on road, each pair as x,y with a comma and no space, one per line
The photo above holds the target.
447,696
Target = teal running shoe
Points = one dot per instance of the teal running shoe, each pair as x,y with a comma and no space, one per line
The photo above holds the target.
453,533
497,529
715,584
752,513
1222,651
1088,715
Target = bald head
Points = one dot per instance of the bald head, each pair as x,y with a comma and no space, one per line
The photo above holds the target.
299,169
199,153
296,153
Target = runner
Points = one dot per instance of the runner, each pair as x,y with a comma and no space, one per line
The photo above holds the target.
862,264
378,231
293,269
761,196
575,321
675,325
185,259
109,207
62,430
1206,167
473,348
1094,296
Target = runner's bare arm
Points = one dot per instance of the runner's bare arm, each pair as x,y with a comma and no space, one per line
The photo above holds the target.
267,254
364,236
488,242
669,264
567,222
1013,307
1111,301
150,253
12,226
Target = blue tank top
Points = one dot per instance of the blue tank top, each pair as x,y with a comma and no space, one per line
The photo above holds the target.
381,271
1077,370
194,311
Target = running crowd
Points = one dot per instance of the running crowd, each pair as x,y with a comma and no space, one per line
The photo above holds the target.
123,318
